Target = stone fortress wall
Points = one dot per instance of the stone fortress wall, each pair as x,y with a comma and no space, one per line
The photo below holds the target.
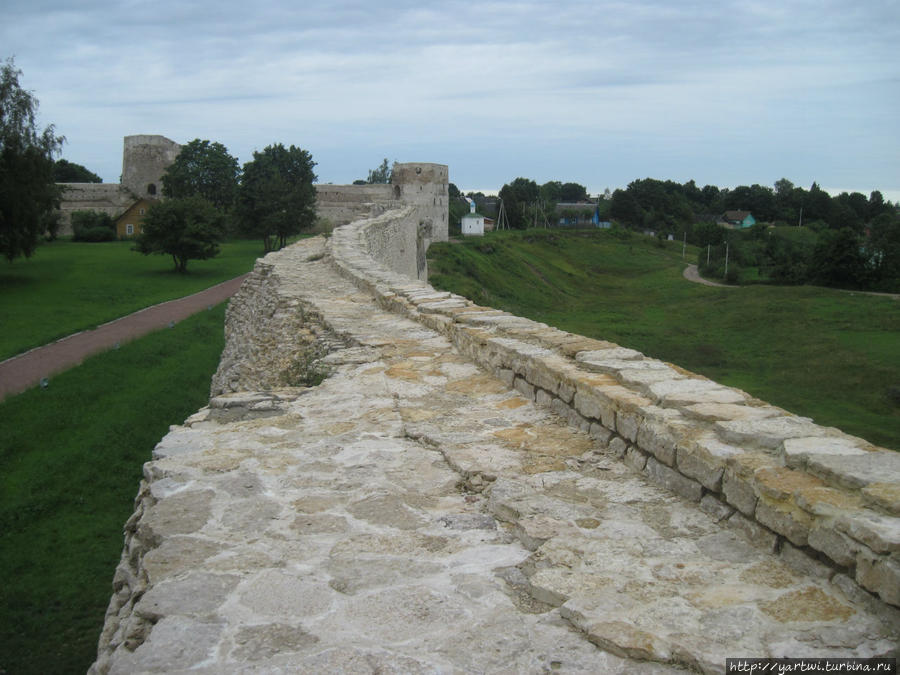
797,487
665,517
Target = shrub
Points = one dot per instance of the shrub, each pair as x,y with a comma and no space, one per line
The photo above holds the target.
92,226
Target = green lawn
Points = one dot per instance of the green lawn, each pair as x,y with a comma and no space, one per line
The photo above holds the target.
67,287
823,353
70,465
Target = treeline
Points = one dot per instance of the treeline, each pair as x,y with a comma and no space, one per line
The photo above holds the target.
666,204
801,236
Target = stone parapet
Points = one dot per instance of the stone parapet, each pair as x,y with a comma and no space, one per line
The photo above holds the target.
778,477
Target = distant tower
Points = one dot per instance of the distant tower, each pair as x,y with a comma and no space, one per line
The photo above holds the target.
425,187
144,160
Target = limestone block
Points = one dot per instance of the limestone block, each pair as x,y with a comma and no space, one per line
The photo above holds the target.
766,433
613,353
619,637
798,450
642,378
839,547
546,371
506,376
521,385
879,532
737,480
584,344
785,519
672,480
714,412
879,574
857,471
577,421
716,508
661,431
594,406
627,424
197,594
826,501
618,446
802,562
599,433
780,483
703,458
884,496
542,398
753,531
634,458
689,391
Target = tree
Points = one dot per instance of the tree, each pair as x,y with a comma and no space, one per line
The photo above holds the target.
277,198
29,195
203,169
838,259
187,229
516,196
65,171
380,174
572,192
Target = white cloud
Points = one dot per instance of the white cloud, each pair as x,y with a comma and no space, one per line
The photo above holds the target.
605,91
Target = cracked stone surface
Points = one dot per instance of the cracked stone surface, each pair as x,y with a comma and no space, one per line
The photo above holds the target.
415,513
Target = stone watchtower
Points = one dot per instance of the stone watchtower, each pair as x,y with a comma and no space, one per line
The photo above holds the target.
144,160
424,186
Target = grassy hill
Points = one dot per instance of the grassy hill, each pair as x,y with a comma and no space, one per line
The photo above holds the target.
823,353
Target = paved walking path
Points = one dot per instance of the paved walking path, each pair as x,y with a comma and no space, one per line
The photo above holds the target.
26,370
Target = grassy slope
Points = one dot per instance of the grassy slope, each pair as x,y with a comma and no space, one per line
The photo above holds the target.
818,352
70,464
66,287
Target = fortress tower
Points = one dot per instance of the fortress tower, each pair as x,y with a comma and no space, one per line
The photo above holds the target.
144,160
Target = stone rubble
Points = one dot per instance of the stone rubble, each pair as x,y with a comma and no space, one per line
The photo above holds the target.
469,491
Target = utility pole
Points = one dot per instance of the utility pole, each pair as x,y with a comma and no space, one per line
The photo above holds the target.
726,259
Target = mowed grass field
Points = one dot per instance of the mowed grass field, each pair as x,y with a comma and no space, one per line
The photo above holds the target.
71,458
822,353
67,287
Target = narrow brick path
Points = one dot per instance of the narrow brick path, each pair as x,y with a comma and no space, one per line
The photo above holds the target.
26,370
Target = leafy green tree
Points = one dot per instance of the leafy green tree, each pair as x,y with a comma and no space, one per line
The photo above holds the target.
516,196
29,195
380,174
838,259
65,171
572,192
277,198
203,169
883,246
186,229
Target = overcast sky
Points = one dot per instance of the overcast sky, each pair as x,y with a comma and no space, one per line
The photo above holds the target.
599,93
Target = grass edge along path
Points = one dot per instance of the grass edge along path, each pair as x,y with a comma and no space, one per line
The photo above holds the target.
71,458
821,353
67,287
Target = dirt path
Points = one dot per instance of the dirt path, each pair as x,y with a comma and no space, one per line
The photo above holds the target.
691,273
26,370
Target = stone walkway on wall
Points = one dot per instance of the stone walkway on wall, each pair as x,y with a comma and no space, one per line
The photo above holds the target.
413,513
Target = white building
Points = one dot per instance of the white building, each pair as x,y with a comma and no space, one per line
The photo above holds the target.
472,224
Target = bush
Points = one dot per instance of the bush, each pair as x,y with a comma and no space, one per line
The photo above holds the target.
92,226
94,234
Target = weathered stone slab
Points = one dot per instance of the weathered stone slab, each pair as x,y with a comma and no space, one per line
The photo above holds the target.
857,471
765,433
